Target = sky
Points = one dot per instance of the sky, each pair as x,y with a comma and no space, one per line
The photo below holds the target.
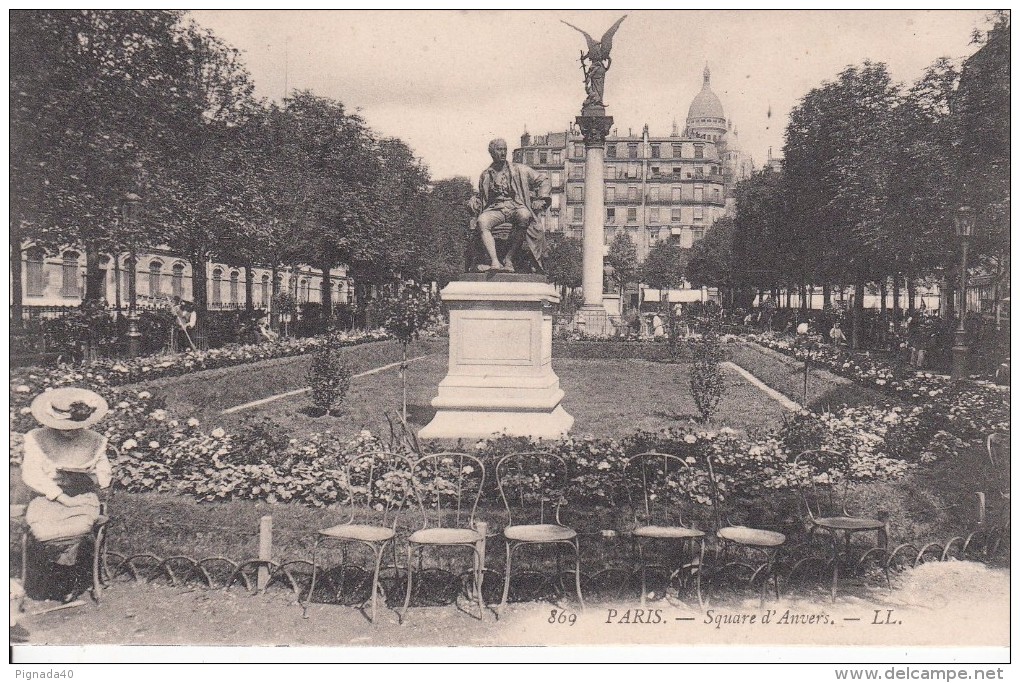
447,82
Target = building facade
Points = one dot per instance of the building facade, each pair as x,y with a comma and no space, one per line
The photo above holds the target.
656,187
58,279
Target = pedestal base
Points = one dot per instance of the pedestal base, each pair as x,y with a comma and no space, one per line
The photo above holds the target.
500,378
596,321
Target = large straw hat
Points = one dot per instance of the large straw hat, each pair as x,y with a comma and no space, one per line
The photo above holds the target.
69,408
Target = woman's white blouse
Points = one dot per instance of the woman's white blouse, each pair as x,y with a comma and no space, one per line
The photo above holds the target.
40,473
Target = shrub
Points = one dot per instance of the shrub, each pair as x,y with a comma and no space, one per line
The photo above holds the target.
705,374
330,377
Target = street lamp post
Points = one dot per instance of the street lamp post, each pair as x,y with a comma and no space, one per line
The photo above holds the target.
964,230
130,211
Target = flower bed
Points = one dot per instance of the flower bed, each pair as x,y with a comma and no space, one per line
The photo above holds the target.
969,410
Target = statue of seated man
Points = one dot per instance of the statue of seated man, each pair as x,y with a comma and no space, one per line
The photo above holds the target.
508,196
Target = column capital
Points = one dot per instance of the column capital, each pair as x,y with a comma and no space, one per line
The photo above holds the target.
594,129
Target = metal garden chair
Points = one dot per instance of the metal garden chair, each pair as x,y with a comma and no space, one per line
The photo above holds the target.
378,485
448,487
762,542
532,487
658,487
825,500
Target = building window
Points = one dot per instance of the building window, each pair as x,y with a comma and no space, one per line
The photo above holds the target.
699,193
610,193
633,171
631,214
655,172
69,285
177,281
557,179
699,172
610,151
653,215
632,151
529,157
155,281
235,278
632,193
716,195
653,193
576,171
543,156
674,215
35,277
611,215
557,156
677,151
265,290
576,193
698,233
555,199
578,214
678,171
656,151
677,196
699,213
578,150
303,290
611,172
217,291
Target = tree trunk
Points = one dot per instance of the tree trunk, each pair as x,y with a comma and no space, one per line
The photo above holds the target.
17,291
249,288
858,310
896,308
274,301
789,294
117,300
803,296
883,291
199,292
948,298
326,296
911,295
93,275
826,294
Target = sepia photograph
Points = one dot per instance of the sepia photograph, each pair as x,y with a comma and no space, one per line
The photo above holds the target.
350,333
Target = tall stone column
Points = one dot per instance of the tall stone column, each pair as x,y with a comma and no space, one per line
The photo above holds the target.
595,126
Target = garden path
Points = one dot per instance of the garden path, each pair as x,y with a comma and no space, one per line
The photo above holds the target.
939,604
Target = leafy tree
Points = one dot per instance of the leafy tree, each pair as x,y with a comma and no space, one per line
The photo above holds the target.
444,228
90,92
759,241
622,258
665,265
710,261
563,263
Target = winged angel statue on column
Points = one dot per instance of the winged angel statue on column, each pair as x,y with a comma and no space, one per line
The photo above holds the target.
595,63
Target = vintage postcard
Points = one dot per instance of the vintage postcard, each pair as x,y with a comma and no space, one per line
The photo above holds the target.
360,331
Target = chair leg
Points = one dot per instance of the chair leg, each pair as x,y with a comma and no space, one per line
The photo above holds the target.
641,559
506,579
375,577
577,572
410,575
701,567
311,586
479,576
97,585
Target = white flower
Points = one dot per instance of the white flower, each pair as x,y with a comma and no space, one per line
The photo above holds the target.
129,444
364,434
144,395
690,438
217,433
123,405
139,435
158,415
468,469
22,389
480,445
193,422
153,445
603,465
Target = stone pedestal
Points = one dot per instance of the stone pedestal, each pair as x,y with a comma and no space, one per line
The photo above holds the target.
500,377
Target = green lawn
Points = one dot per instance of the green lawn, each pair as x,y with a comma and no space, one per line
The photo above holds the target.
608,398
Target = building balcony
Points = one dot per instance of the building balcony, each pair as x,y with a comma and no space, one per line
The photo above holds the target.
686,178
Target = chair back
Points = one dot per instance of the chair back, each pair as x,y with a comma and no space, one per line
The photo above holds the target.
532,486
658,488
378,486
997,445
822,497
448,487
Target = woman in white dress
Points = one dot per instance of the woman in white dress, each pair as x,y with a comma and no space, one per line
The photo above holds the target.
66,464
